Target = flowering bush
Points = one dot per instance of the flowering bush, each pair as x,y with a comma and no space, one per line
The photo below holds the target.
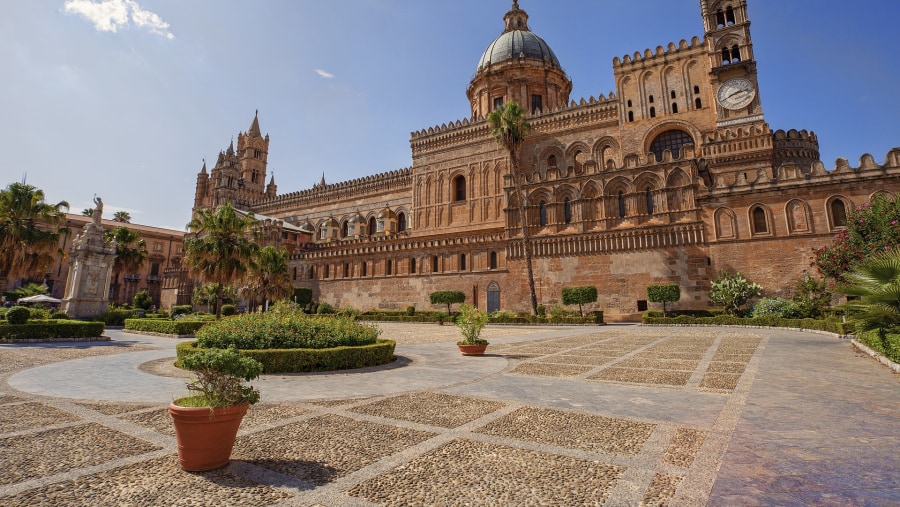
732,291
285,331
871,227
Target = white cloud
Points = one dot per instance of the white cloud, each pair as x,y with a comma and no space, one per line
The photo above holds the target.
110,15
324,74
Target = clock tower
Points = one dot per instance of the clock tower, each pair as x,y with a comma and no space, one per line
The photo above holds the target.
733,68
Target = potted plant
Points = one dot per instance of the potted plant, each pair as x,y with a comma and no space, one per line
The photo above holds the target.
206,422
470,322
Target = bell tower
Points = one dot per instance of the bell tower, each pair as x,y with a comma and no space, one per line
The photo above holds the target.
730,50
253,152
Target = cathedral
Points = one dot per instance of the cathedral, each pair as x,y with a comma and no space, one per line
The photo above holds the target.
670,179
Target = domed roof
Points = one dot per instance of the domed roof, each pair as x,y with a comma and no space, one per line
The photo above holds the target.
515,44
357,218
387,213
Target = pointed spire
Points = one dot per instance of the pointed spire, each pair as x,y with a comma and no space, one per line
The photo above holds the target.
272,179
322,183
203,171
230,151
254,127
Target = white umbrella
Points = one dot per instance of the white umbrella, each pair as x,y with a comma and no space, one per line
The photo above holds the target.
40,298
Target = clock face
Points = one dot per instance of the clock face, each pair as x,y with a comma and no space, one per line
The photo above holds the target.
736,93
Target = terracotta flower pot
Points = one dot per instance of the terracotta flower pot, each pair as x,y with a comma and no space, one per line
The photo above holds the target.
205,437
472,350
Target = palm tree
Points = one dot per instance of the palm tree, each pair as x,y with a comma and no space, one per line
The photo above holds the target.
270,276
509,127
220,250
876,282
122,216
87,212
131,252
29,230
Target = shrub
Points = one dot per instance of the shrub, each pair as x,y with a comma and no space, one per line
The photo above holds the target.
579,296
731,291
179,327
142,300
324,309
668,293
228,310
887,343
18,315
470,322
447,297
51,329
541,311
181,310
285,306
775,307
284,331
59,315
303,295
410,310
309,360
811,297
115,316
219,375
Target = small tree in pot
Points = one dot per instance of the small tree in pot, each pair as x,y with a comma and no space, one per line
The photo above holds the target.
206,423
470,322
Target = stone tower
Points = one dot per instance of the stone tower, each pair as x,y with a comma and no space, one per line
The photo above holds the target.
518,67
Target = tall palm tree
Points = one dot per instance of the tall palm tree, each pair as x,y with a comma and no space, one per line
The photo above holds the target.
508,128
270,276
29,230
876,282
87,212
131,252
220,249
122,216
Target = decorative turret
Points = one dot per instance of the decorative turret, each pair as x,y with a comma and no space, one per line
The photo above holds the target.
518,66
271,188
202,186
254,127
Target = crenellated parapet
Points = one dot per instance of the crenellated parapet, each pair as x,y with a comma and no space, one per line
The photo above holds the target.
733,144
797,147
628,62
391,181
402,243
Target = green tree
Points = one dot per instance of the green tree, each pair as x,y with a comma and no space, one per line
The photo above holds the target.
732,291
811,297
579,296
666,293
876,282
220,249
269,276
29,231
121,216
27,290
508,128
142,300
871,227
87,212
447,297
206,295
131,252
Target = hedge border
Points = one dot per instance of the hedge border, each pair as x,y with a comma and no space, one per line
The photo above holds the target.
312,360
165,327
838,328
52,330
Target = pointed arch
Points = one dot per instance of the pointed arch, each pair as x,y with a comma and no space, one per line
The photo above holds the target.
726,224
798,216
760,220
837,209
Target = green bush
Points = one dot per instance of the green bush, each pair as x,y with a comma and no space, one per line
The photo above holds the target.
181,310
309,360
51,329
732,291
302,296
579,296
447,297
285,331
775,307
470,322
219,374
889,344
18,315
667,293
59,315
324,309
115,316
38,313
142,300
410,310
165,326
830,325
228,310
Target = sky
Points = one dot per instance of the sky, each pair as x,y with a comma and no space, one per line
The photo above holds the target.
126,98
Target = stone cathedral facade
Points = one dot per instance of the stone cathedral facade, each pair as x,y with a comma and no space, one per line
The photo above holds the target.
671,178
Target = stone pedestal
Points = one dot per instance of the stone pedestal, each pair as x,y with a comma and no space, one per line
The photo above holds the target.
90,273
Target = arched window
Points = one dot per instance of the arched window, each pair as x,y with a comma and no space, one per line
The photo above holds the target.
629,102
462,262
726,56
671,140
492,262
364,268
838,213
372,226
621,204
698,104
412,266
312,272
652,112
389,267
295,273
651,99
327,270
459,188
543,213
673,94
720,19
760,224
674,108
344,230
735,54
729,16
696,89
551,161
567,211
630,116
401,222
434,264
648,196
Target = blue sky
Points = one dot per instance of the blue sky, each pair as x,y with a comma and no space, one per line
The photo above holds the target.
124,98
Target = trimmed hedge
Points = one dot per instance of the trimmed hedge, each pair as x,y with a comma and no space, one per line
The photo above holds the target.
498,318
832,326
285,331
890,348
51,329
312,360
165,326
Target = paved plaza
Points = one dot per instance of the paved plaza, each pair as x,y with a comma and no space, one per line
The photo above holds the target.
613,415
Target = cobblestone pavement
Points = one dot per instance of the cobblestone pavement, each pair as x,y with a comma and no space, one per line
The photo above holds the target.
614,415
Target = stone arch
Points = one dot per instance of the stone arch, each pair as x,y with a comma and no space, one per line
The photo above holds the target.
798,217
577,154
726,224
678,194
590,201
654,132
760,217
837,209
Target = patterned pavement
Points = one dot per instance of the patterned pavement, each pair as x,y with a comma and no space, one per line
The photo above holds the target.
614,415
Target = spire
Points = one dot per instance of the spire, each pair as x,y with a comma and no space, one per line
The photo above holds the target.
272,179
230,151
254,127
516,19
322,183
203,171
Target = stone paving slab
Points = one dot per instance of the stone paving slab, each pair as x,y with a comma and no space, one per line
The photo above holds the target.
763,417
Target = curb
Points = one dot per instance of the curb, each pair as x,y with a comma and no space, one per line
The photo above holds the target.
877,355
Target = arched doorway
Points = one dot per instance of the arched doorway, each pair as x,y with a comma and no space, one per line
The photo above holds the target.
493,297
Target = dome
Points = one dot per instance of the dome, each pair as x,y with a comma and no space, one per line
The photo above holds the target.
515,44
387,213
308,228
357,219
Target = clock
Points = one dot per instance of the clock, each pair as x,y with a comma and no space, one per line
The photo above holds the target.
736,93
